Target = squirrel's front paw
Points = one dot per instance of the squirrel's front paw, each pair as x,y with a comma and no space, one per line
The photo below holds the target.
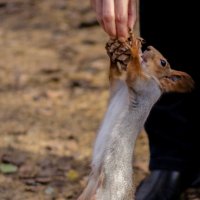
136,46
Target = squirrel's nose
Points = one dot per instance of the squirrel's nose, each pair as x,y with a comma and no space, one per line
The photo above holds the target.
148,48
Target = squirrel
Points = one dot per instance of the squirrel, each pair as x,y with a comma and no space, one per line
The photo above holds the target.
133,92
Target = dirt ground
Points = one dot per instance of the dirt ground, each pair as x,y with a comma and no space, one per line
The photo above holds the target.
53,94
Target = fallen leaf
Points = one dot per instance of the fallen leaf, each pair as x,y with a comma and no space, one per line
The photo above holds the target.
43,180
14,158
28,171
30,182
8,168
72,175
49,190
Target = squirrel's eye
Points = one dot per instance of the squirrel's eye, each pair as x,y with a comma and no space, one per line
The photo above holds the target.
163,62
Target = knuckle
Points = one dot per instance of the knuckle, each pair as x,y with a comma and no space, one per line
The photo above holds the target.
108,17
121,19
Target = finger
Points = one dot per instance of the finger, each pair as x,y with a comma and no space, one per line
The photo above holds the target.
108,16
132,13
121,19
98,9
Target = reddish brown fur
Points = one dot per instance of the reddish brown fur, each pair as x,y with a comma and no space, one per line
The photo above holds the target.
134,66
184,82
169,81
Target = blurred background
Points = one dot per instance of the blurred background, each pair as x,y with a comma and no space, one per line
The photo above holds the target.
53,95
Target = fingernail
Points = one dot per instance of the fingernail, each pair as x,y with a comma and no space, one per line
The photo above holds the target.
130,29
121,39
112,37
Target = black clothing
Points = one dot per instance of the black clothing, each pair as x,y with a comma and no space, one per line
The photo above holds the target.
173,124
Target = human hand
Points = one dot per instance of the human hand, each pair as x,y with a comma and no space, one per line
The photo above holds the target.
116,17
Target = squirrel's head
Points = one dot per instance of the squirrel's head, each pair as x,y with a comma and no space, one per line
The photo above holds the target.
156,65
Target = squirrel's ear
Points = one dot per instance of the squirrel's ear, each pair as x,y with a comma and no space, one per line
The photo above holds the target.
177,81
